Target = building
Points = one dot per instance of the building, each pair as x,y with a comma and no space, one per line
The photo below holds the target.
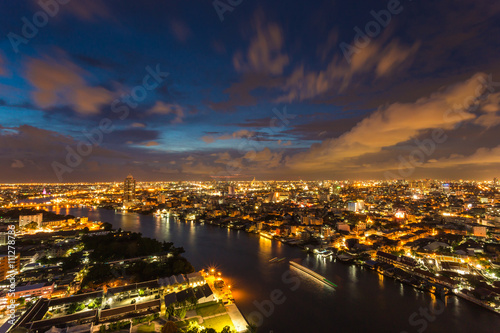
28,291
162,198
356,206
479,231
4,237
195,279
27,219
9,266
129,190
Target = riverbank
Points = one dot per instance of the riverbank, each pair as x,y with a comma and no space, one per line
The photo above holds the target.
244,260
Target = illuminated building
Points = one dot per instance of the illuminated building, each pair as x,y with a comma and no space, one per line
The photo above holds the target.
27,219
7,266
128,190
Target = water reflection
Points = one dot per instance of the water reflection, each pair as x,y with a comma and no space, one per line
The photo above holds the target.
381,281
245,258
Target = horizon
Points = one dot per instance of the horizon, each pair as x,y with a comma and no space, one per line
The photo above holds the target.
329,90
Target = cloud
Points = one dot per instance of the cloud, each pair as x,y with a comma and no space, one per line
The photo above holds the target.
135,135
151,144
240,93
61,82
264,158
88,10
18,164
396,123
337,76
481,157
264,54
236,135
169,108
180,30
138,125
490,108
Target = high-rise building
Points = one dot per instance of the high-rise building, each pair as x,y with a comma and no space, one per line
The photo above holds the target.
9,265
27,219
129,190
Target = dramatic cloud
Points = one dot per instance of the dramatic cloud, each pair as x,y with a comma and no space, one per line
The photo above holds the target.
481,157
394,124
61,82
166,108
265,51
338,75
491,111
264,158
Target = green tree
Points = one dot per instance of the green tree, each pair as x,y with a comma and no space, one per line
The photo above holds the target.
180,313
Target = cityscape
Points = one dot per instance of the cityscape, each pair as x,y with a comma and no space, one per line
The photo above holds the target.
237,166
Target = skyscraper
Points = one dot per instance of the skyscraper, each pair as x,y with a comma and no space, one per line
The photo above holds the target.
128,190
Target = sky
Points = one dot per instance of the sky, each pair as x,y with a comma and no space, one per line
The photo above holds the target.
239,89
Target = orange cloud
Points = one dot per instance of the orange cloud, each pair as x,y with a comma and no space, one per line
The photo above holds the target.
61,82
265,51
396,123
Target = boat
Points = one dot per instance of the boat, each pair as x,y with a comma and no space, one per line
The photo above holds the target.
325,253
312,274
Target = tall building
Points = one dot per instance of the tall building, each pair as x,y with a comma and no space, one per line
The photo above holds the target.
9,265
128,190
27,219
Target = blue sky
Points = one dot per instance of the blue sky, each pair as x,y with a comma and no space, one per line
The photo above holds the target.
267,92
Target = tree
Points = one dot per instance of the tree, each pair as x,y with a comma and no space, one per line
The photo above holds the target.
169,327
180,313
226,329
31,225
208,330
170,311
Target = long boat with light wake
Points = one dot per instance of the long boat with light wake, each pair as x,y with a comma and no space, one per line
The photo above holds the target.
312,273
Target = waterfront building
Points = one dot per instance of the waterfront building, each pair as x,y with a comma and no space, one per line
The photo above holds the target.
129,190
27,219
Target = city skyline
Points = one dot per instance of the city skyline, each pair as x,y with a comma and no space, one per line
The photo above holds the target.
200,91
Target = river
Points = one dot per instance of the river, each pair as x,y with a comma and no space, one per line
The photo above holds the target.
283,299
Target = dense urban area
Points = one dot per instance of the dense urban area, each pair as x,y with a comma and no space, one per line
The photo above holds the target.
70,274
